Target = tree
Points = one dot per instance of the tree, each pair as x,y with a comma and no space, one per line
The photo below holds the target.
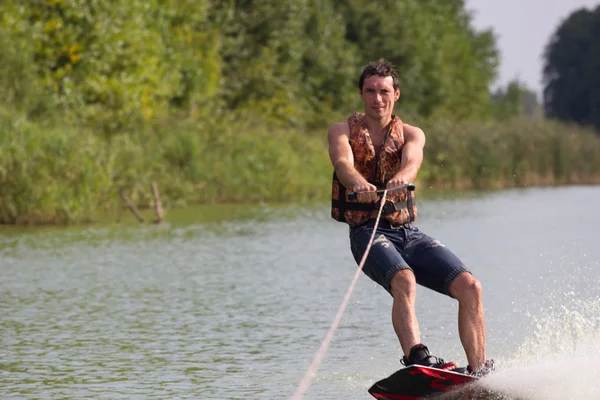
115,65
285,60
572,69
112,63
445,66
299,59
515,100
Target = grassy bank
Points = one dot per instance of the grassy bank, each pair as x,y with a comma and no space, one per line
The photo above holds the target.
53,174
513,153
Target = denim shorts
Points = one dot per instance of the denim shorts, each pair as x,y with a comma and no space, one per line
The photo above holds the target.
405,247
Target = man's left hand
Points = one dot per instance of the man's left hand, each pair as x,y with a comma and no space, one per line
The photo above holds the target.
396,184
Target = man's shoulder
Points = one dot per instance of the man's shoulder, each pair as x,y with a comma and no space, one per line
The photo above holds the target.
339,128
344,128
406,125
413,132
411,128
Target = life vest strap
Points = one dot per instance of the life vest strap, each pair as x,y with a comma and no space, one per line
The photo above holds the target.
388,208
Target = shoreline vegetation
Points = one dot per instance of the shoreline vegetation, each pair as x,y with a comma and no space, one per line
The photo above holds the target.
229,102
53,174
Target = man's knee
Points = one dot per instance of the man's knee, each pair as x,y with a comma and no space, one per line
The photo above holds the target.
466,287
403,283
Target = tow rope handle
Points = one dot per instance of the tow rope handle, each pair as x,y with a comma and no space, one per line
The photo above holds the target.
409,186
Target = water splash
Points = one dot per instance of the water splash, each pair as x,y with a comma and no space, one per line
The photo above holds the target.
559,361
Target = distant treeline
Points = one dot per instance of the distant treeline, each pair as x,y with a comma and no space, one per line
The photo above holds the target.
66,174
111,63
230,101
572,69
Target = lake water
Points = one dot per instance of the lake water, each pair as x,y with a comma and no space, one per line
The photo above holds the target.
233,302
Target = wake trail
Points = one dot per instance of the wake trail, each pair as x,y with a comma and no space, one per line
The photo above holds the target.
558,362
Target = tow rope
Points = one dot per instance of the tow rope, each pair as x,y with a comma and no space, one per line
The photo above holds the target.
311,372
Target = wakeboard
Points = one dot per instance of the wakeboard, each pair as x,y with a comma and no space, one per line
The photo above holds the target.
417,381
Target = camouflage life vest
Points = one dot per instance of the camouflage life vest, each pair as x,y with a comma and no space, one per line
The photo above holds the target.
399,208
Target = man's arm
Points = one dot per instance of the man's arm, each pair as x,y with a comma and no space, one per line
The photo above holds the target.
412,156
342,160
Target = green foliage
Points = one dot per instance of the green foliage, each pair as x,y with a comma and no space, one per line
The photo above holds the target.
112,64
286,60
50,174
572,69
510,152
18,76
515,100
229,101
445,66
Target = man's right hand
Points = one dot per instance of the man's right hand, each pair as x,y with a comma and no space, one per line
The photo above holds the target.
366,193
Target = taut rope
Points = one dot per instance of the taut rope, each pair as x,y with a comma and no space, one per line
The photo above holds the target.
310,373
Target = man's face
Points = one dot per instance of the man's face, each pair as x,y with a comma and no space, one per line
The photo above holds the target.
379,96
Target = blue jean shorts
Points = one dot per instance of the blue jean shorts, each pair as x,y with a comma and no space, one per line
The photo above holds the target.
405,247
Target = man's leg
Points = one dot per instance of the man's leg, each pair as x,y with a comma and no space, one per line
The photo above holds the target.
404,291
386,266
471,322
438,268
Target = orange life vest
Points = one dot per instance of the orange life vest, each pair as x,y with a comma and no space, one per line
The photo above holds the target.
399,208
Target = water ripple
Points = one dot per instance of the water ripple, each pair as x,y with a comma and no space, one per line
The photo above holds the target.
237,309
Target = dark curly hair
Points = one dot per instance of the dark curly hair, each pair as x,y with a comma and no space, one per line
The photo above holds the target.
380,67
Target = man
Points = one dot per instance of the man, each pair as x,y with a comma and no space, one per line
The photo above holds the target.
375,150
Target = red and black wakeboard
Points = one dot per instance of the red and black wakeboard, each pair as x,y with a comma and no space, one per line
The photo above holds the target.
416,382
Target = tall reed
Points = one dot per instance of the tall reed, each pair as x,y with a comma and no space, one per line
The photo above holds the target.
57,173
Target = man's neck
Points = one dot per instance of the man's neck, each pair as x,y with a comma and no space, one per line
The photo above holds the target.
377,126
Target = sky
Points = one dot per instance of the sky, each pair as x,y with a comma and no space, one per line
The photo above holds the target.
523,28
